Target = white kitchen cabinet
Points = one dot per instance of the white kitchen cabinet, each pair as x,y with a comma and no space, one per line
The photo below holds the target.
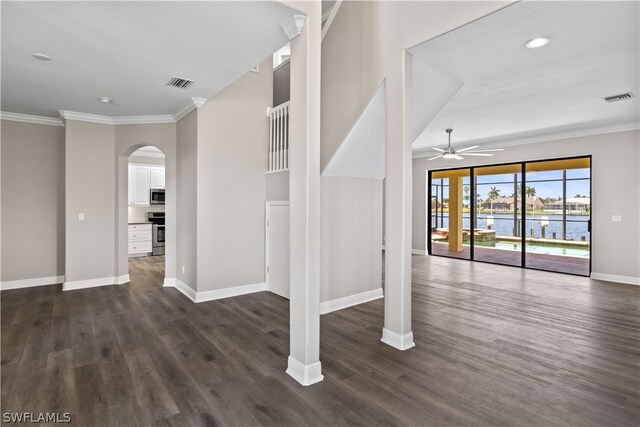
157,177
142,185
140,239
142,178
132,198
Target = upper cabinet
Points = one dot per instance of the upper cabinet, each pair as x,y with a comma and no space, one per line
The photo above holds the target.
142,178
157,177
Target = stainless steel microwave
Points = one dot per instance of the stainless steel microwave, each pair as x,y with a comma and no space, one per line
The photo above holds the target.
157,196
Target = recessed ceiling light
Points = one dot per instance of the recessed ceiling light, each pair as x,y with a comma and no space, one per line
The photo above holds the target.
105,100
42,57
537,42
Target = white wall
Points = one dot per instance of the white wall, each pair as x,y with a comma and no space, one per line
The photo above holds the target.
233,140
277,186
351,258
615,191
186,211
350,72
33,202
90,188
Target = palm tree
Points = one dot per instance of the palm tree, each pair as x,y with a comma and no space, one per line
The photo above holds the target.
531,192
466,193
493,194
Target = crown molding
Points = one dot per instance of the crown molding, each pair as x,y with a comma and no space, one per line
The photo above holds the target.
198,102
554,136
293,26
65,115
122,120
188,106
140,120
28,118
84,117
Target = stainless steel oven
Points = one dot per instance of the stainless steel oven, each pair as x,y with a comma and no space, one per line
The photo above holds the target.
158,232
158,239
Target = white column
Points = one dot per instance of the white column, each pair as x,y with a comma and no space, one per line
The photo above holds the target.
304,180
398,167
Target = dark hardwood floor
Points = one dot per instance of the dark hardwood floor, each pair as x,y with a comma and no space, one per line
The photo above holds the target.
494,346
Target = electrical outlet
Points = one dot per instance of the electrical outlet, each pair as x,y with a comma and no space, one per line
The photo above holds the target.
616,218
183,269
81,216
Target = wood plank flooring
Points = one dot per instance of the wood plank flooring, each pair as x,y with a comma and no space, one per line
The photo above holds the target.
494,346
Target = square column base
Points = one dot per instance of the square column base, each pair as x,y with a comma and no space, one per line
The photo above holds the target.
401,342
305,374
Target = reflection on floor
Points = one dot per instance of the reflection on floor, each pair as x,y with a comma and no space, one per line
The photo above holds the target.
558,263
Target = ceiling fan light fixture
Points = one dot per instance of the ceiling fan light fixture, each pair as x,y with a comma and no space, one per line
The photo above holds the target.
449,155
537,42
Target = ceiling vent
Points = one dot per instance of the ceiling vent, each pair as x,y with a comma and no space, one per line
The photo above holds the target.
180,82
616,98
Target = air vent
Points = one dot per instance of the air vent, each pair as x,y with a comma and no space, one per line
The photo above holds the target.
616,98
180,82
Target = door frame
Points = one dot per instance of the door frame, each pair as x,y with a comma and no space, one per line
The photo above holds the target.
268,205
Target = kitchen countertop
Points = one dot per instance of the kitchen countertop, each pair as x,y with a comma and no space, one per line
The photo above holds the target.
143,222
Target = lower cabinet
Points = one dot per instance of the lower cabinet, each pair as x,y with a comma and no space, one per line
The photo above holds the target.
140,239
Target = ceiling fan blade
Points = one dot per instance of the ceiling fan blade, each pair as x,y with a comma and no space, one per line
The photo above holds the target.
436,157
478,154
488,150
438,149
468,148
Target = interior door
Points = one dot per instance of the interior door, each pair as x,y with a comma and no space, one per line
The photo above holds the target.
278,248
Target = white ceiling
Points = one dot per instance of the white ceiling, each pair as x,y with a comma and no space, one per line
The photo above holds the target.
128,51
513,94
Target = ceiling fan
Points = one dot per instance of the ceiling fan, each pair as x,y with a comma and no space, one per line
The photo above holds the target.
450,153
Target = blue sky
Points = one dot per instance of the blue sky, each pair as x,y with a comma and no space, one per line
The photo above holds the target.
504,183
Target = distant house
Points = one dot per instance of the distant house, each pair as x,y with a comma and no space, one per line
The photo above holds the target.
506,203
581,204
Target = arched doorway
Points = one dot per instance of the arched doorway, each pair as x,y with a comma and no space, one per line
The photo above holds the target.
145,200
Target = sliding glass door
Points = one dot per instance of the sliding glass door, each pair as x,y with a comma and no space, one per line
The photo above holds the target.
558,215
450,217
527,214
498,236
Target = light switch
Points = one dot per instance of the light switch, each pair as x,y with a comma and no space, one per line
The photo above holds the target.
81,216
616,218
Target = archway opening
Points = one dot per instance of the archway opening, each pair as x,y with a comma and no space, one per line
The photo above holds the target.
142,191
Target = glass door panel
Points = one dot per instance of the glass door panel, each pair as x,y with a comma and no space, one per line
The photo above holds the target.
450,218
558,215
498,213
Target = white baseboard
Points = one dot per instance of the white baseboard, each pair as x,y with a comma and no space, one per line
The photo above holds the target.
305,374
349,301
230,292
629,280
418,252
94,283
185,289
401,342
123,279
214,294
30,283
